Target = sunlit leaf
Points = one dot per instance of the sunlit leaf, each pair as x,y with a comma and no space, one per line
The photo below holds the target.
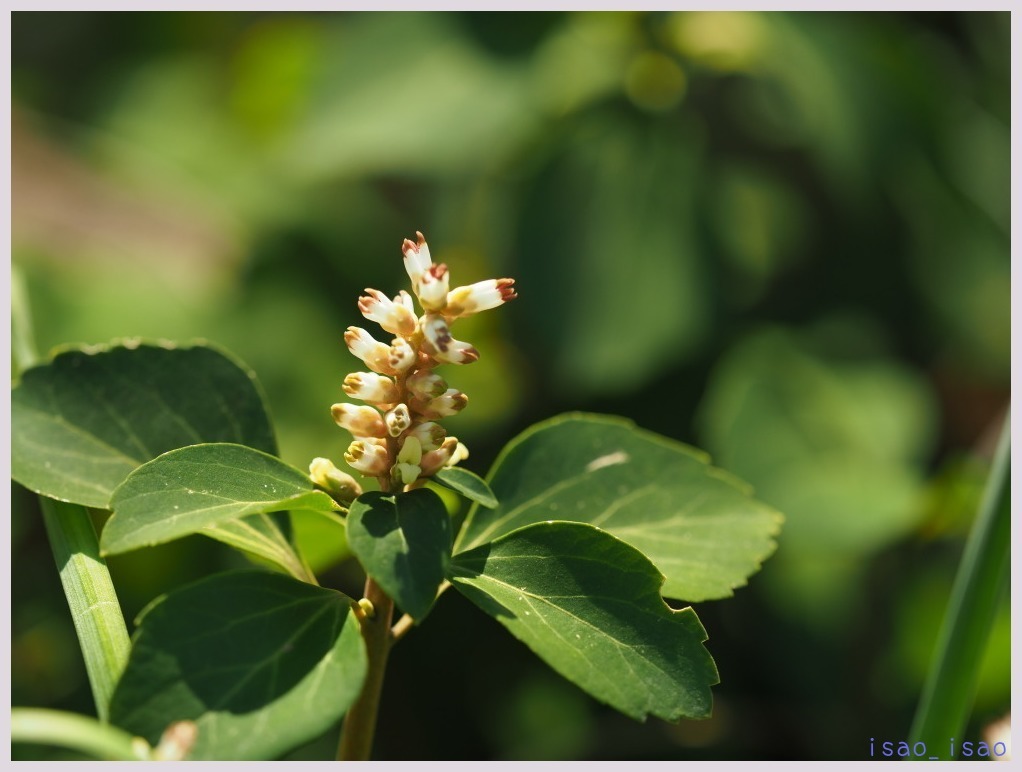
468,484
194,488
697,524
260,662
82,422
589,605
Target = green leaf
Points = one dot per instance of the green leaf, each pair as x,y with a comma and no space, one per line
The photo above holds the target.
259,661
590,606
404,542
192,489
260,536
696,523
468,484
82,422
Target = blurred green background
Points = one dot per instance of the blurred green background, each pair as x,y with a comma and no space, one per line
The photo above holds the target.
783,237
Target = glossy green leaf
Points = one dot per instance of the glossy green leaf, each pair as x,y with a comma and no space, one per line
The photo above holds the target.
468,484
696,523
191,489
82,422
590,606
260,662
404,542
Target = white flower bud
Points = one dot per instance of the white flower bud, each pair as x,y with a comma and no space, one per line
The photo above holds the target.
417,259
398,420
396,316
450,402
425,384
402,355
480,296
368,456
460,454
342,486
442,346
432,288
430,435
369,350
360,420
370,387
435,460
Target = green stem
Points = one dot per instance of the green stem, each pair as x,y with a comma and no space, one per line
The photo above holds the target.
356,742
90,594
22,339
982,577
80,733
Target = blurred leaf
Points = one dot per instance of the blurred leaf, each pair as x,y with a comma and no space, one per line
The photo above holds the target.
589,605
468,484
609,259
191,489
760,221
698,525
836,446
259,661
476,111
404,542
82,422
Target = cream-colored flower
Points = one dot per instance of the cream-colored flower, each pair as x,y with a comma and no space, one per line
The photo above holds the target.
341,485
368,456
398,420
447,404
430,435
402,356
376,355
481,296
425,384
442,346
360,420
396,316
370,387
417,259
435,460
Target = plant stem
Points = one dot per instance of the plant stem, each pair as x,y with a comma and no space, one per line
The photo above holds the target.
356,742
982,576
90,595
80,733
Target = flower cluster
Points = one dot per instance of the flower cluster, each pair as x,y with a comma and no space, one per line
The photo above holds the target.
397,437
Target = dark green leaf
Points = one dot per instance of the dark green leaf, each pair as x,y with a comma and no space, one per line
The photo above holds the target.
404,542
82,422
697,524
259,661
468,484
191,489
590,606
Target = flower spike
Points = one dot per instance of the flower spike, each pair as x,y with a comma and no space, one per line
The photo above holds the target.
397,437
